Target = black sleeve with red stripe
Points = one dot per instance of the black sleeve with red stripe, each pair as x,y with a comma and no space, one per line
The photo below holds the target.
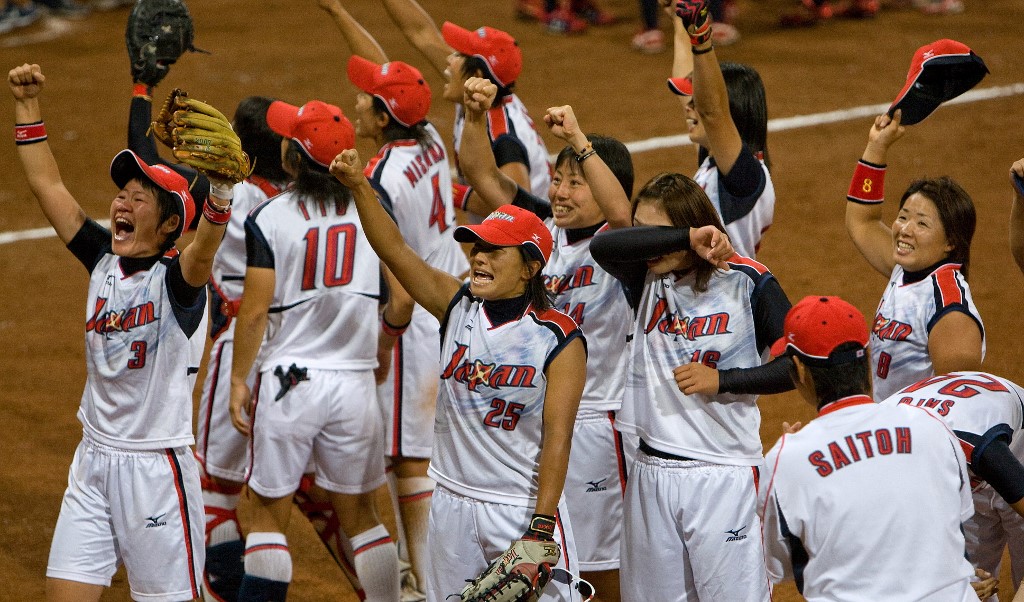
991,459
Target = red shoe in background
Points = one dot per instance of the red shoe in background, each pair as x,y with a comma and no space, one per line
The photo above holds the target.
561,21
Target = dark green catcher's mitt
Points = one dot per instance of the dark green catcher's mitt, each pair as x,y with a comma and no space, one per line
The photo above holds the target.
158,32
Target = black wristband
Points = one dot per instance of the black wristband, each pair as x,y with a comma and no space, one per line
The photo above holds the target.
542,526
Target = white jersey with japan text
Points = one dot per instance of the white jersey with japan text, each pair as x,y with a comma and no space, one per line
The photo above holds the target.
490,401
905,316
865,503
142,353
594,299
327,283
744,232
676,326
510,118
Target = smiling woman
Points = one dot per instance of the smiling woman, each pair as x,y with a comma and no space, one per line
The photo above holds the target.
927,322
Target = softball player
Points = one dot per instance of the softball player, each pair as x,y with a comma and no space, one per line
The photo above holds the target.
512,376
926,322
307,258
596,478
133,491
727,115
692,379
986,413
458,54
852,500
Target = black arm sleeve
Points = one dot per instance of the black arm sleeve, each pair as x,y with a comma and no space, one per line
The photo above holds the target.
508,149
90,244
623,253
258,253
769,305
187,302
739,190
993,461
528,201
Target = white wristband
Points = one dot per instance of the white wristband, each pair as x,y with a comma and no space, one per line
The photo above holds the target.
225,191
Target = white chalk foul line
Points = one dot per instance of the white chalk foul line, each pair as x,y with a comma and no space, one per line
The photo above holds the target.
661,142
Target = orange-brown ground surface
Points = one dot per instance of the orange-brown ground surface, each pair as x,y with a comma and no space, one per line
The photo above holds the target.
288,49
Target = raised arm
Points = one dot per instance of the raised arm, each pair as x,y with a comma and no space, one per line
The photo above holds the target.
1017,214
871,235
197,258
430,287
420,29
359,41
605,187
491,187
60,208
710,96
682,56
566,376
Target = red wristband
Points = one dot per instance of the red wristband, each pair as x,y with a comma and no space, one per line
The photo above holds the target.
216,215
142,90
390,330
460,195
29,133
868,184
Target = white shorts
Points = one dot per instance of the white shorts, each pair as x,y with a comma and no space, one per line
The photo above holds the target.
691,532
220,448
331,419
994,526
408,396
140,508
594,486
465,535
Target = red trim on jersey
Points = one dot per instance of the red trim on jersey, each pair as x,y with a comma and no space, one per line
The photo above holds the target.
179,489
252,423
566,324
620,457
771,483
268,188
741,260
497,121
839,404
949,288
205,439
373,544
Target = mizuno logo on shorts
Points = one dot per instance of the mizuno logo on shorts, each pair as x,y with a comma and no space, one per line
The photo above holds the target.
154,521
735,534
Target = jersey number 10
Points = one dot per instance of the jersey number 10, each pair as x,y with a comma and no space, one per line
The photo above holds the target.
339,255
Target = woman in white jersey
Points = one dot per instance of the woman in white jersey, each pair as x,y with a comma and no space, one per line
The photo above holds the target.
133,493
926,322
512,374
589,194
727,115
312,286
690,526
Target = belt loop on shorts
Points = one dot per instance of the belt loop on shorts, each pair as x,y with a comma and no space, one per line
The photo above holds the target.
654,453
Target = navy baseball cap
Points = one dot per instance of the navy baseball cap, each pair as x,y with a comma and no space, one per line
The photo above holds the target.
127,165
939,71
816,326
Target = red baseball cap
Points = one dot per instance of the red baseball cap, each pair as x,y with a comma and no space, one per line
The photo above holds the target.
400,86
495,47
681,86
321,129
511,226
127,165
939,71
815,326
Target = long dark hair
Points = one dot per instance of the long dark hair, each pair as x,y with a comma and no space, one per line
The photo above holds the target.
536,291
312,180
687,206
748,106
261,143
956,211
613,152
396,131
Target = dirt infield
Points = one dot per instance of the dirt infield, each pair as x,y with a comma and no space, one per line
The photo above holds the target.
289,49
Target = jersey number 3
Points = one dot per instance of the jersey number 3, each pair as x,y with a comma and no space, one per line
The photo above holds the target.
338,256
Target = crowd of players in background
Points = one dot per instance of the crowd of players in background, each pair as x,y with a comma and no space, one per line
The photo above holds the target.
644,267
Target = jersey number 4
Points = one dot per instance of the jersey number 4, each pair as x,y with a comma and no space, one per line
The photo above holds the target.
438,211
339,257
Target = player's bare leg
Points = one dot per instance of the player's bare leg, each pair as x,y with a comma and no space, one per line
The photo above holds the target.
606,584
315,504
375,555
413,490
63,590
268,562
